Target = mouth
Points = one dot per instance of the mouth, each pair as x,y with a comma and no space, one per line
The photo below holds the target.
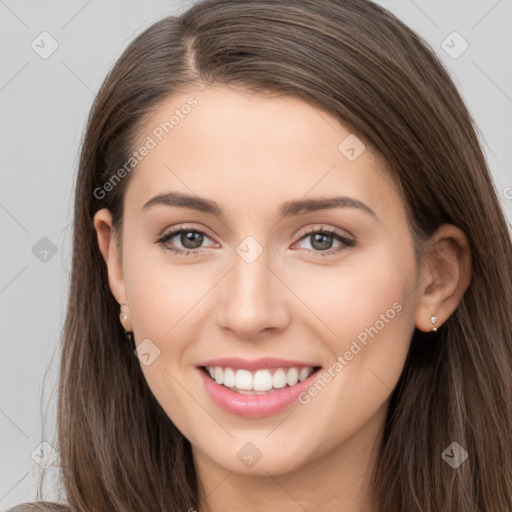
255,389
258,382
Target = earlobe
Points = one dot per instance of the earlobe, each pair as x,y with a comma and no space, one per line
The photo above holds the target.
445,277
109,248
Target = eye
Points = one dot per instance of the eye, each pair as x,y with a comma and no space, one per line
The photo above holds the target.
190,239
321,241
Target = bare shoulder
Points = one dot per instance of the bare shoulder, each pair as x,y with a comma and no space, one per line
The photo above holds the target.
39,506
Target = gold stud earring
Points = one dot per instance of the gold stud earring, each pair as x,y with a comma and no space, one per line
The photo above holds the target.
433,319
123,316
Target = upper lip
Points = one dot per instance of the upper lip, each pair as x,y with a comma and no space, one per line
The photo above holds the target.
256,364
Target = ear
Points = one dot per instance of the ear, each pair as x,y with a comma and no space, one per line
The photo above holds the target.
444,277
108,242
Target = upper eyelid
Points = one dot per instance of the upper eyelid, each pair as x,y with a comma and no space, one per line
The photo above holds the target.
322,229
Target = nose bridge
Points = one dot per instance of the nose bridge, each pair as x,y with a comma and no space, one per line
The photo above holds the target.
251,298
250,279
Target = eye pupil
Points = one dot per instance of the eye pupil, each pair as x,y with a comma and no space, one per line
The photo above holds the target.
191,236
317,237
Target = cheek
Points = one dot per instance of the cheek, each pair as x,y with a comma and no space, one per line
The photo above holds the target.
167,305
375,324
366,289
160,292
367,305
164,301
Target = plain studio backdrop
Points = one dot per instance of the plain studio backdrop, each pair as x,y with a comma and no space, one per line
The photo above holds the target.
54,56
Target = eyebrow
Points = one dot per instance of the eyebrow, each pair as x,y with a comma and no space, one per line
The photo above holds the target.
287,209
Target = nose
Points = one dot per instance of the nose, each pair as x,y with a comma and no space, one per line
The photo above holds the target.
252,300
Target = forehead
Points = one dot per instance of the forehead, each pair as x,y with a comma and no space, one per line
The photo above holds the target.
249,150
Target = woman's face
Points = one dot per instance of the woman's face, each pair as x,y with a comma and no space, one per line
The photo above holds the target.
256,279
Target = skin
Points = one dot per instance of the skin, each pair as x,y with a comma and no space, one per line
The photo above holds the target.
250,153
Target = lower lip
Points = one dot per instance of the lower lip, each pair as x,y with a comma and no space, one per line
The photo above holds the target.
254,406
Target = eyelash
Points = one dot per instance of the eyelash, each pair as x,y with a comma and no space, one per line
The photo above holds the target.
347,242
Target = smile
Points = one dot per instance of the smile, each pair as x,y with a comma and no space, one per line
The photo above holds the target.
258,382
255,389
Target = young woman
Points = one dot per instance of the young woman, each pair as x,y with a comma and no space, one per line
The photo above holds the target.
291,279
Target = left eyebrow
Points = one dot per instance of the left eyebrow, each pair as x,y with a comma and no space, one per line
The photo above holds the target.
299,206
287,209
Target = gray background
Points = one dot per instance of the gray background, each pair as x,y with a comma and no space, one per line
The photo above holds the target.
44,103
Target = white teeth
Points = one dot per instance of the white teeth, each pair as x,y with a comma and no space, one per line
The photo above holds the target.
293,377
260,381
243,379
279,379
229,378
305,373
219,375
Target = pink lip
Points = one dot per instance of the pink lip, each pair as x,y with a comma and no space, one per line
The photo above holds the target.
253,406
255,364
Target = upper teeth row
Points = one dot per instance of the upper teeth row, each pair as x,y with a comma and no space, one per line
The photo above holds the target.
260,380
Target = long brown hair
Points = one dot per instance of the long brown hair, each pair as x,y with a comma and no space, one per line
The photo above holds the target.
355,60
